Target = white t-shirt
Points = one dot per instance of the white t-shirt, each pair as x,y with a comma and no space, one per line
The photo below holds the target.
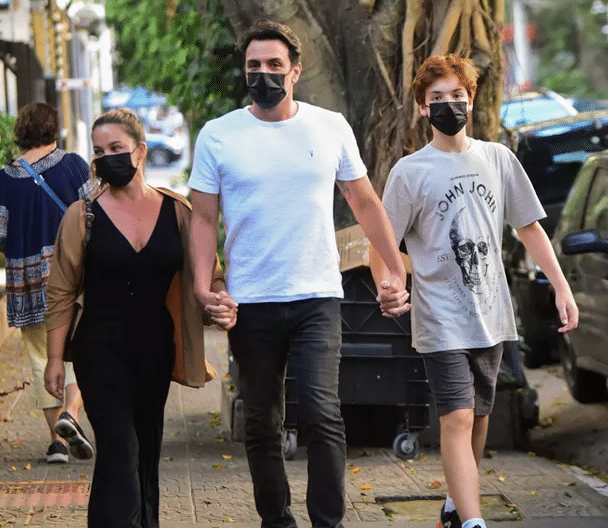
276,186
450,209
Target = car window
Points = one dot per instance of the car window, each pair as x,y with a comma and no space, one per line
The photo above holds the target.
526,111
552,161
596,211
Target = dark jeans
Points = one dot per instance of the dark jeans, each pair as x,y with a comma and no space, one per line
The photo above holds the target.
309,332
124,399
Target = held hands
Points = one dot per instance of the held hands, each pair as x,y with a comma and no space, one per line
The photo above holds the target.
54,377
220,307
393,297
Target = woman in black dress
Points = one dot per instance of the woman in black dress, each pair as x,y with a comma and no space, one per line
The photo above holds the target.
128,341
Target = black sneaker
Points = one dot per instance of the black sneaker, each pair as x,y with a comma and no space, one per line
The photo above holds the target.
68,428
57,453
448,519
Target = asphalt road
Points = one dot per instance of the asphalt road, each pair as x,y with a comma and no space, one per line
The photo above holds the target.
571,432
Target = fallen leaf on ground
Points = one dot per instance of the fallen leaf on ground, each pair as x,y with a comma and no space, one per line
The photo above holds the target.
502,478
217,466
355,470
366,487
435,484
227,457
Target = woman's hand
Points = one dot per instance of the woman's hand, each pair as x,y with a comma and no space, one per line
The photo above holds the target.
223,312
54,377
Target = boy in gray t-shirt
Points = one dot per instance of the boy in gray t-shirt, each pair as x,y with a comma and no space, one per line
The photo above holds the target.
448,202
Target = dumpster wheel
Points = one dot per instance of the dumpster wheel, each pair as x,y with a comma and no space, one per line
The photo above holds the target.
406,445
290,444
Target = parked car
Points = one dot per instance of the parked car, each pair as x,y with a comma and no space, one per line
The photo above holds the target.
584,104
532,106
163,149
581,245
551,152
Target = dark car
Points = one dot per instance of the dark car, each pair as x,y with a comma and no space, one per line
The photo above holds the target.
551,152
581,245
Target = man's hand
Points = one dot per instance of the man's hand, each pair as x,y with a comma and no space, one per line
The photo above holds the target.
54,377
393,297
568,311
220,307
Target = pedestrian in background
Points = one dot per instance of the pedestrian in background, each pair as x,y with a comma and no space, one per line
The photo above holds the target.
139,324
449,202
273,166
29,219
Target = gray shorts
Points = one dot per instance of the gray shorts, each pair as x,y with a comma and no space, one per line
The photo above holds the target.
464,379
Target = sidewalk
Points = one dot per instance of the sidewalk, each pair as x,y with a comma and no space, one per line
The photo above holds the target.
205,478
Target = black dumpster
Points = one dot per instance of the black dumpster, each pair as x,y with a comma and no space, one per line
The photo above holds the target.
382,379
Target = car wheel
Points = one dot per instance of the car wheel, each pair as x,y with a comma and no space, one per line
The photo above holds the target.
159,157
585,386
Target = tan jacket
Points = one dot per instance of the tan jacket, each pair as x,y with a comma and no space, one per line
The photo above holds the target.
65,294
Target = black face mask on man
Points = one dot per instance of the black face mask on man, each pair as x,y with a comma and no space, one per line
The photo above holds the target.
266,89
116,169
448,117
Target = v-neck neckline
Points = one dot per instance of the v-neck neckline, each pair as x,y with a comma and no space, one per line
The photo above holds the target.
162,204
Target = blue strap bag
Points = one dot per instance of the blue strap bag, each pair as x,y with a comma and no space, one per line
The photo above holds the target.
40,181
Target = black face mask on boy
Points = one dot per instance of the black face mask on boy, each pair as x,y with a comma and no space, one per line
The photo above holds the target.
448,117
116,169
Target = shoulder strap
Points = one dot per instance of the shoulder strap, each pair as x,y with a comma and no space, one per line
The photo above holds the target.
89,216
40,181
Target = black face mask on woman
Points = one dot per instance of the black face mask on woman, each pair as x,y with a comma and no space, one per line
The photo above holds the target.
448,117
266,89
116,169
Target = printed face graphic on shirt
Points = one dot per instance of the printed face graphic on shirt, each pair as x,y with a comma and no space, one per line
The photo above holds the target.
472,254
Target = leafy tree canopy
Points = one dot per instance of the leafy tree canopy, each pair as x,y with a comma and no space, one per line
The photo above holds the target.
571,41
8,148
184,50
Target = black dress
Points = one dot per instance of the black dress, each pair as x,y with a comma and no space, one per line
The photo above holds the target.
123,357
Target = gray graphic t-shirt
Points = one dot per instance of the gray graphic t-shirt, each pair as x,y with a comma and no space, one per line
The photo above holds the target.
450,209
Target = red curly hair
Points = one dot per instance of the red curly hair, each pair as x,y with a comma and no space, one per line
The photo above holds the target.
439,66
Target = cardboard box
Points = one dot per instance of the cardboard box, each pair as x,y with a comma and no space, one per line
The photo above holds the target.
353,247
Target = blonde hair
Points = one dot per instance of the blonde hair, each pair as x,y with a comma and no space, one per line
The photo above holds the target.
125,118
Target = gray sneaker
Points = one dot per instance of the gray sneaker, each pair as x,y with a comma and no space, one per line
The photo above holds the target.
68,429
57,453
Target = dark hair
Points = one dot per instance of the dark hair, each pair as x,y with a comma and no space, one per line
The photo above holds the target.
438,66
126,119
267,30
37,125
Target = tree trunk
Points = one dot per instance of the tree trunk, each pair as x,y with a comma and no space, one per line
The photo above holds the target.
360,58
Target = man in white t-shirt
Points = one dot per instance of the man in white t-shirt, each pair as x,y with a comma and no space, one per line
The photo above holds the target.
448,202
272,167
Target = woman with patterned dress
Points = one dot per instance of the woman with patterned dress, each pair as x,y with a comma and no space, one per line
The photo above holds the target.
29,219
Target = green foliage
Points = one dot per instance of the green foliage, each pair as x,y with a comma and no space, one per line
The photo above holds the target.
565,30
8,149
185,51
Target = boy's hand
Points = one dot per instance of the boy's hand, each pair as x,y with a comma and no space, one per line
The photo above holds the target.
568,311
392,297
